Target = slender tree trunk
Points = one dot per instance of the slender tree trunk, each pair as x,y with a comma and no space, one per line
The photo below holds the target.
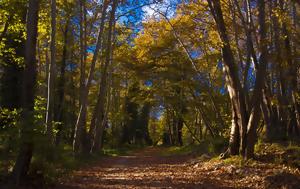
169,138
105,119
250,48
267,114
259,83
100,106
61,88
83,57
22,164
280,71
82,39
236,37
39,58
206,121
292,70
80,123
110,86
179,130
51,76
200,128
231,72
203,116
234,139
215,107
47,63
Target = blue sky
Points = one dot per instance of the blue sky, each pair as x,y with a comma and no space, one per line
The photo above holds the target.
142,9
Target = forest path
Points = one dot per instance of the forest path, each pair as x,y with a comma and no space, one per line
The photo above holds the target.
145,168
148,168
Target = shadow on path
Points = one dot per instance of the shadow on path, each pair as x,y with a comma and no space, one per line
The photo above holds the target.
143,169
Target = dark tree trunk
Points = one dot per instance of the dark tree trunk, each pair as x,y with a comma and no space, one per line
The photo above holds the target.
267,115
83,57
292,71
61,87
179,130
259,84
231,72
80,123
100,106
29,84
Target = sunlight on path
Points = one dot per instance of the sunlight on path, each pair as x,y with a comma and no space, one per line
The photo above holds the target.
147,168
143,169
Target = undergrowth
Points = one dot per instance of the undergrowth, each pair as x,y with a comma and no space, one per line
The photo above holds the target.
284,153
212,147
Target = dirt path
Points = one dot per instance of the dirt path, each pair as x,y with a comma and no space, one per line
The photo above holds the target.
148,169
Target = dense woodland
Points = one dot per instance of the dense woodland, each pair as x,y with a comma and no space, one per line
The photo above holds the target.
80,76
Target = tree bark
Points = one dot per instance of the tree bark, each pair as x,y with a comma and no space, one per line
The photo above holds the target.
234,139
61,87
267,114
231,72
99,112
22,164
292,70
83,56
80,123
51,76
259,83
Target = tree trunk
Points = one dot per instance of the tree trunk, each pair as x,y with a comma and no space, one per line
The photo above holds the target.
82,39
80,123
22,164
259,84
292,71
99,111
61,88
267,114
280,71
51,76
231,72
83,56
179,130
234,139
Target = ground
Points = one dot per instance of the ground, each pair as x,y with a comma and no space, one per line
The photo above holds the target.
150,168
